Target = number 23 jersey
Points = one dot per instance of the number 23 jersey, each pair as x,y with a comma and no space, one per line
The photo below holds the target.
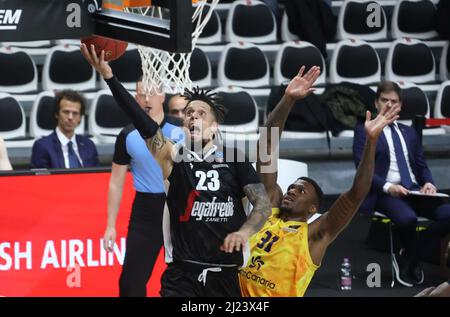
205,204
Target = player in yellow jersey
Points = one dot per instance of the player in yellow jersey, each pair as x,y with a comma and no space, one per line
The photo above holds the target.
287,251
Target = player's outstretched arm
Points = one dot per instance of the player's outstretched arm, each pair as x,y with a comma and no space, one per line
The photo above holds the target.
299,87
257,195
324,230
148,128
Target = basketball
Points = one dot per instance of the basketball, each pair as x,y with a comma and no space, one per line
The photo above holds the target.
113,48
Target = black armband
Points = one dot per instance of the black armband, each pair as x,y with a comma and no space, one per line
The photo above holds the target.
144,124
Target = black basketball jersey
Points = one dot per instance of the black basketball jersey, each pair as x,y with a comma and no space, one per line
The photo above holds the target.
205,204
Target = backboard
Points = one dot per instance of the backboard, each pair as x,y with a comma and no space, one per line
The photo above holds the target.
162,24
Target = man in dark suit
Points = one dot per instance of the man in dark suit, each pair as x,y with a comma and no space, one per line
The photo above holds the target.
63,148
400,167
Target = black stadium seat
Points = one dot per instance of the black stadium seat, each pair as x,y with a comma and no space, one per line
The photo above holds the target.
106,118
66,68
18,73
240,107
212,33
355,61
242,117
414,18
292,55
12,118
243,64
45,113
414,102
200,70
353,18
442,105
410,60
127,68
250,21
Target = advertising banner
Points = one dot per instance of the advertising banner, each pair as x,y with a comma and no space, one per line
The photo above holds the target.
51,229
32,20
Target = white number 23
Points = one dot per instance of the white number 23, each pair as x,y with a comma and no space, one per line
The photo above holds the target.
212,177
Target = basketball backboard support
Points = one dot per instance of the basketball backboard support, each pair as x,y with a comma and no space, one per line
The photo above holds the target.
169,29
172,32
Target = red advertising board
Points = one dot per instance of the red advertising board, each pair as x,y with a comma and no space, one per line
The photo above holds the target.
51,229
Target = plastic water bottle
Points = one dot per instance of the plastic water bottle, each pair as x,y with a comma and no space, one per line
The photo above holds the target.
345,275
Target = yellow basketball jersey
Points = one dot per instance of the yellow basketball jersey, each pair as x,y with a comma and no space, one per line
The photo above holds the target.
279,263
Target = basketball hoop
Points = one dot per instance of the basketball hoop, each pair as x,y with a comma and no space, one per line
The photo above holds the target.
165,71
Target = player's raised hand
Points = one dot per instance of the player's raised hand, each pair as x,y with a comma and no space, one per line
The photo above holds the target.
98,62
386,116
301,85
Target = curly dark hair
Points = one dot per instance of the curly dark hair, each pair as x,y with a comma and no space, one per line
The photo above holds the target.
70,95
209,97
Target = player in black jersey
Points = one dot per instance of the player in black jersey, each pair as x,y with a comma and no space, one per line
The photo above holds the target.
145,235
208,225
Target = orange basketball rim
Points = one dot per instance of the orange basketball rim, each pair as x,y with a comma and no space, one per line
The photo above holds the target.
119,5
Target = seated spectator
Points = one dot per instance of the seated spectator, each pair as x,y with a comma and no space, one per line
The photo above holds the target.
5,165
400,168
176,106
63,148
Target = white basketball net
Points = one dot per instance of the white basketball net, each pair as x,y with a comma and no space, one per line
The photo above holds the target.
165,71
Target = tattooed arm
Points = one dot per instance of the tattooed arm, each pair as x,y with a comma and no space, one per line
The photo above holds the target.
323,231
148,128
161,149
257,195
299,88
